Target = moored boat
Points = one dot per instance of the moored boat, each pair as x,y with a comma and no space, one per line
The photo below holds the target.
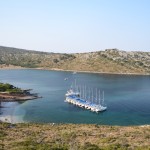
79,98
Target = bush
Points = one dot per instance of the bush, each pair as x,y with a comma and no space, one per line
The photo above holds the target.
89,146
9,88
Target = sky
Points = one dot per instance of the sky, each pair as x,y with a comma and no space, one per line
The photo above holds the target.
73,26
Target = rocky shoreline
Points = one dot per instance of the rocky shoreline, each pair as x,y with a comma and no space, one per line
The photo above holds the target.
24,98
82,71
7,97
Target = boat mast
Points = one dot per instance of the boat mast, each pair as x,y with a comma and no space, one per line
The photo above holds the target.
89,95
103,99
96,96
77,89
75,86
80,91
85,92
92,95
99,97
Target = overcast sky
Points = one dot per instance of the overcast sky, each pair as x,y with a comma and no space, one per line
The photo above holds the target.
75,25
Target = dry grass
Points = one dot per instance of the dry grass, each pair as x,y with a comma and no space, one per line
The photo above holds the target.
73,137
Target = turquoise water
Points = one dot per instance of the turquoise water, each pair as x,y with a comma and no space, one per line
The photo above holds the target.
127,98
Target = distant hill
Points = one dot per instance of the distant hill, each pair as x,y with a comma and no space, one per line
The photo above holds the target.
109,61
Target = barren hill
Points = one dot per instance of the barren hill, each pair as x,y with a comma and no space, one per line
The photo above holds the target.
109,60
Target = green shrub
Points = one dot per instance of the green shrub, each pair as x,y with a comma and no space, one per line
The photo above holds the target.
89,146
9,88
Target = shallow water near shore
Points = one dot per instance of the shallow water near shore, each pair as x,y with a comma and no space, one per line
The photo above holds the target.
127,98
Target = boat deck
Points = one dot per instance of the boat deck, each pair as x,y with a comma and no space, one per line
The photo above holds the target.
73,99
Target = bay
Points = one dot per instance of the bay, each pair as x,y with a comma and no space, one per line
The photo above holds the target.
127,98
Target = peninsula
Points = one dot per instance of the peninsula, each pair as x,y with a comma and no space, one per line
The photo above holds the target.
9,93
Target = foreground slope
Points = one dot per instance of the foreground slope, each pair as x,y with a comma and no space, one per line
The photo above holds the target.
108,61
73,137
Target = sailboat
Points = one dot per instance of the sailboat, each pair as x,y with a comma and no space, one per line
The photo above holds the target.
78,96
74,72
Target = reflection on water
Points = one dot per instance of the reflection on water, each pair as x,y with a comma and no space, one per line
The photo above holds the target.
127,98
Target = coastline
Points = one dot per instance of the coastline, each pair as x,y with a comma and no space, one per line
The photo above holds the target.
11,67
11,119
97,72
6,119
17,99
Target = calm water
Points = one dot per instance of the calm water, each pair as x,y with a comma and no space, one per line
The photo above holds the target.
127,98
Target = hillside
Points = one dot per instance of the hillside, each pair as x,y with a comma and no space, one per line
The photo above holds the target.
73,137
109,61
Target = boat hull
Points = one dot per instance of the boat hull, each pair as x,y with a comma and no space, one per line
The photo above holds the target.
84,104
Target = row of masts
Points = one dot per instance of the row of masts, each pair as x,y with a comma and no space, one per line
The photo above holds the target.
93,95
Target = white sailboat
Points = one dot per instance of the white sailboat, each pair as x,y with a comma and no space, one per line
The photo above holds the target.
79,97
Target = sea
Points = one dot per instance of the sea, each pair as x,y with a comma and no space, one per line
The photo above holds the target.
127,98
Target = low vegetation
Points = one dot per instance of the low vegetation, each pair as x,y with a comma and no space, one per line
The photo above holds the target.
73,137
6,87
108,61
